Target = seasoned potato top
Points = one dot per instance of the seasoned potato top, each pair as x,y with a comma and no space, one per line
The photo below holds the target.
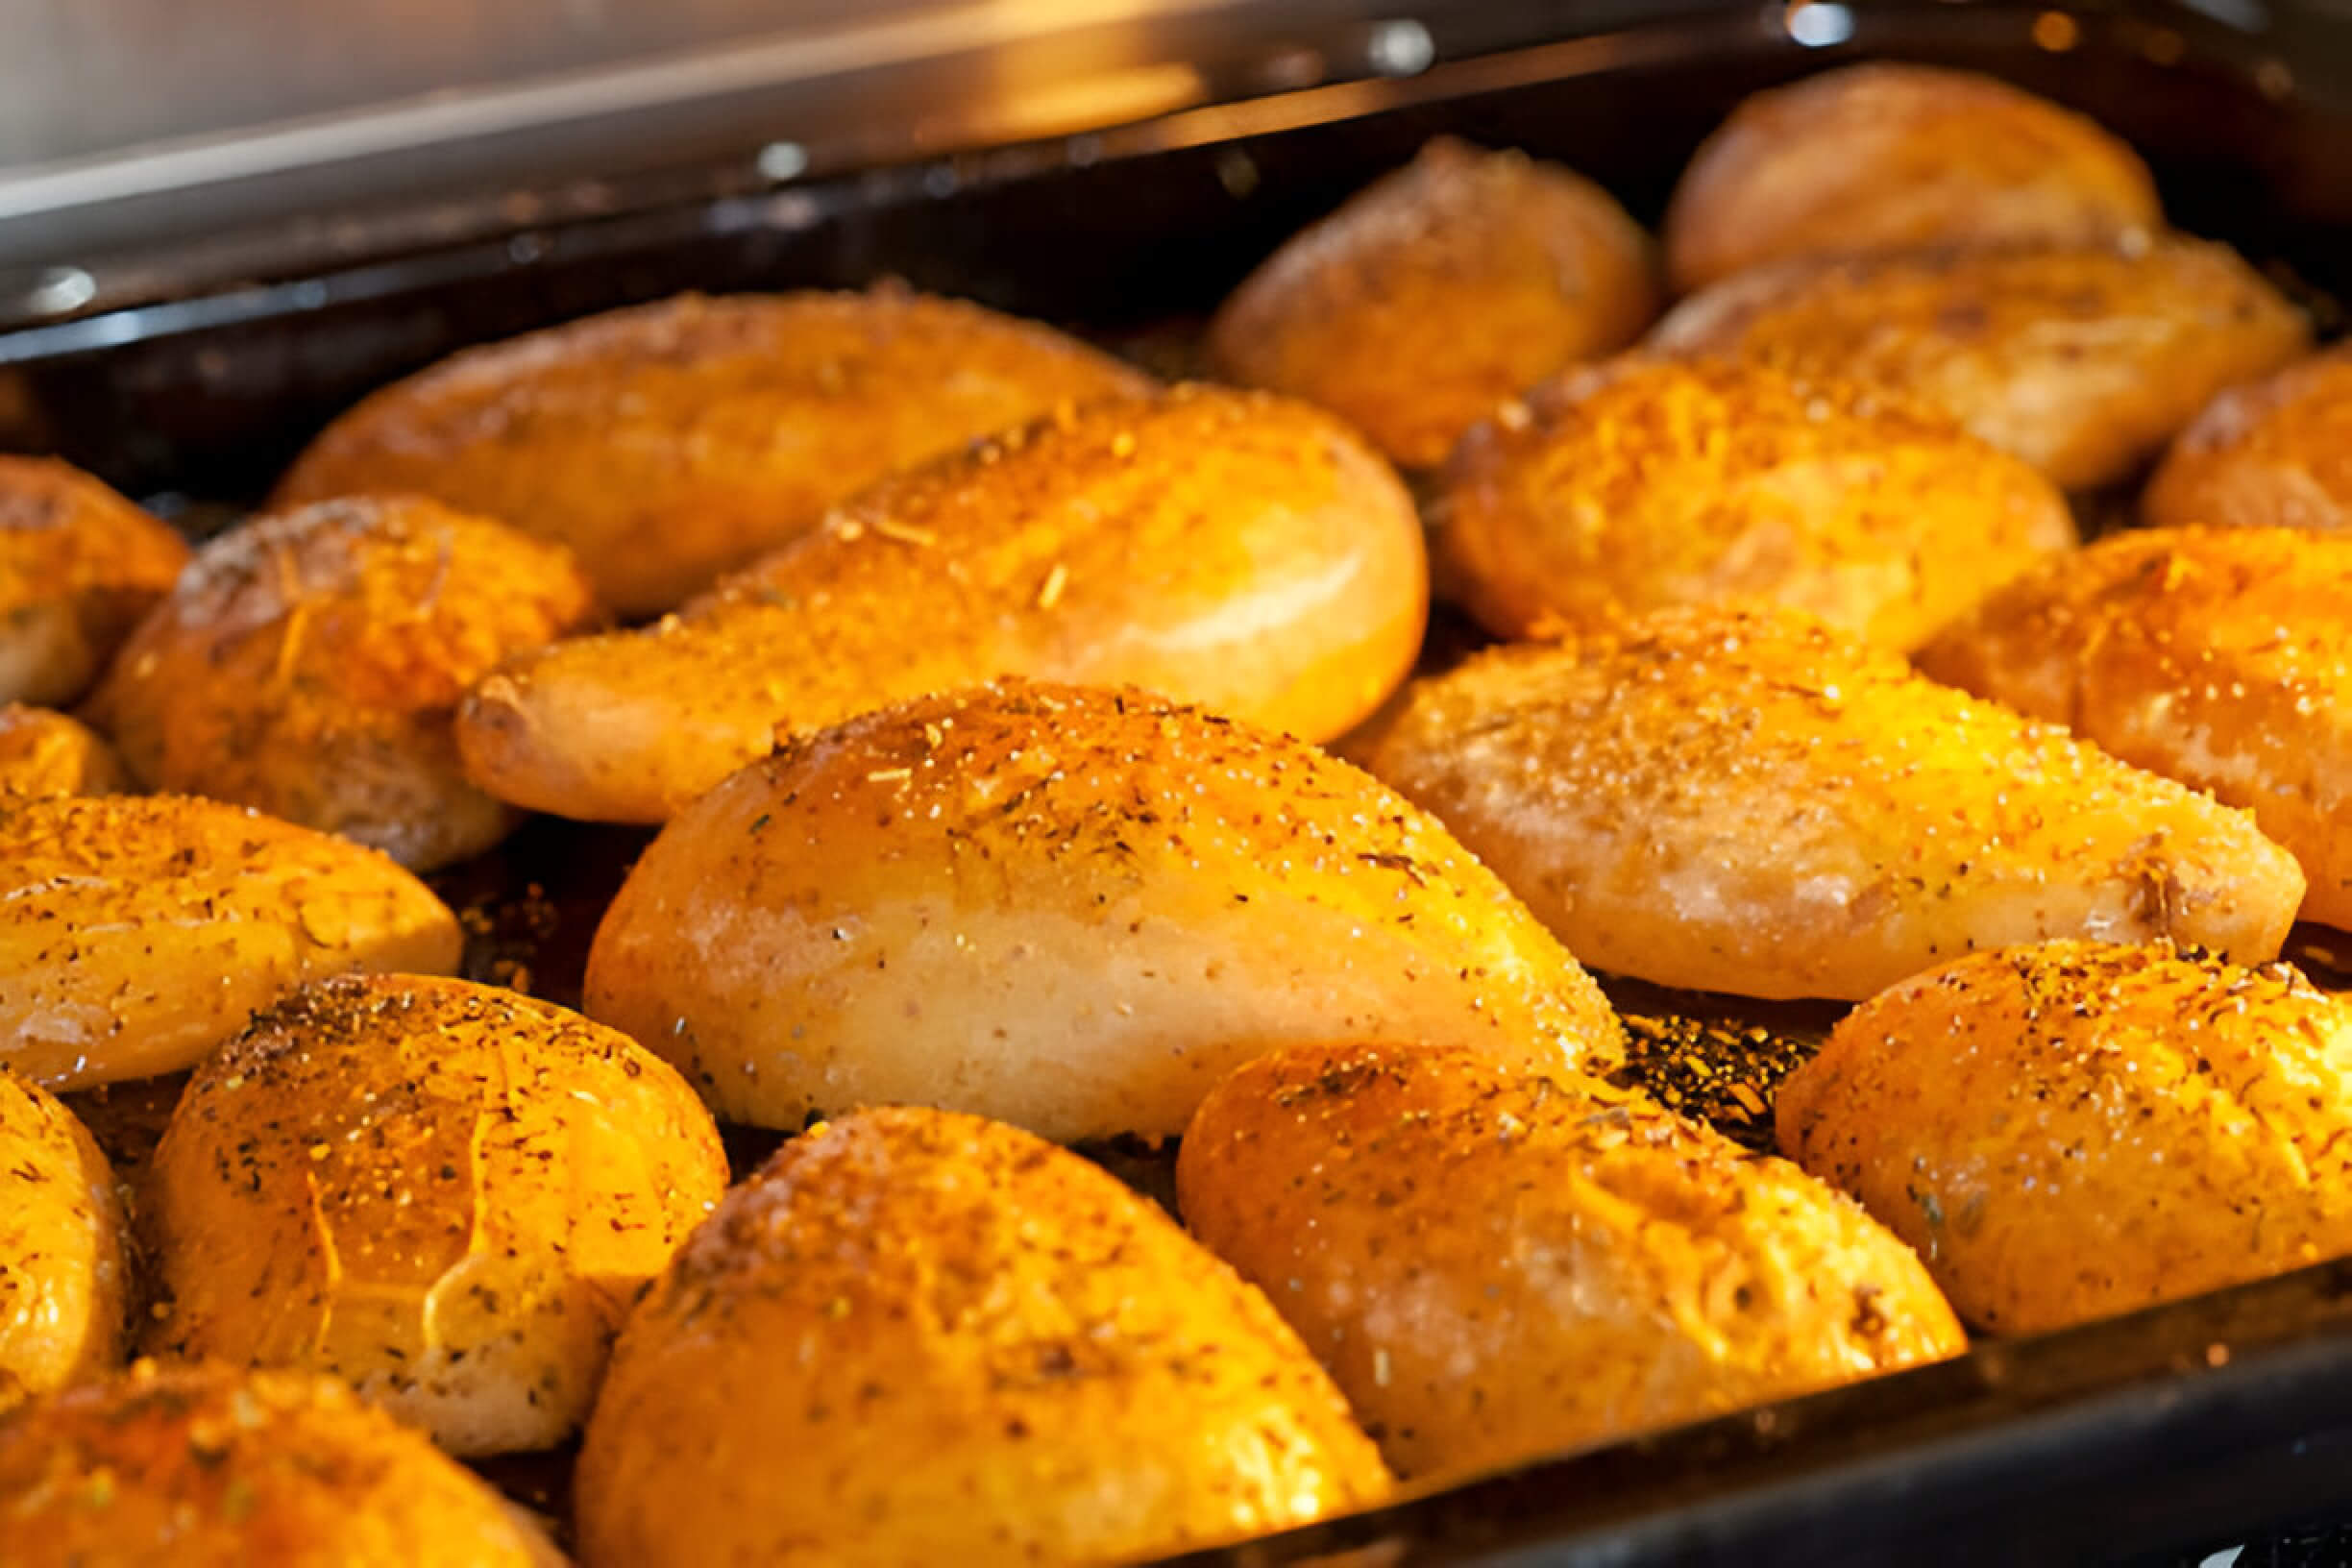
916,1336
78,565
1753,803
1233,548
210,1467
44,753
1651,482
2082,361
667,443
1898,157
1454,282
2221,657
2074,1129
2275,453
1500,1264
136,932
62,1274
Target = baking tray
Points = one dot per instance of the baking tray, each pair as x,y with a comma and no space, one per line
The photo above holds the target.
189,376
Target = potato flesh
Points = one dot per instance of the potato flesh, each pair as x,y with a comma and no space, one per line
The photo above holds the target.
1071,910
78,565
2271,454
42,752
62,1274
140,932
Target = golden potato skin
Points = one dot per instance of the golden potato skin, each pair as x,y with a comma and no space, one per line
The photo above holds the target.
920,1337
44,753
1648,482
2083,360
1232,549
1498,1264
2073,1130
1439,291
214,1468
138,932
2221,657
78,565
447,1194
62,1274
2273,453
310,665
1756,804
1887,157
668,443
1070,910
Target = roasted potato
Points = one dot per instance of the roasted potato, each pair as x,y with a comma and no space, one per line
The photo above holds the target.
447,1194
1070,910
62,1273
1888,157
2083,360
138,932
668,443
1454,283
2221,657
210,1467
921,1338
1497,1263
2276,452
2073,1130
310,665
1645,483
44,752
78,565
1756,804
1231,548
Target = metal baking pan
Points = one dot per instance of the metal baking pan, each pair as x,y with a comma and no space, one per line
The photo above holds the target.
188,372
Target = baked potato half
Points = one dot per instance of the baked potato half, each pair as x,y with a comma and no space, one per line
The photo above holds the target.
1071,910
2275,453
1497,1264
668,443
1754,803
214,1468
2084,361
46,752
2221,657
1450,285
64,1276
447,1194
310,665
1888,157
1647,482
78,565
2073,1130
1232,549
138,932
922,1337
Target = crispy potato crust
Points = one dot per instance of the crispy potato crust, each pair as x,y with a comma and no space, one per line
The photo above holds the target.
2218,657
212,1467
1756,804
42,752
1645,483
2083,360
1454,283
138,932
78,565
1232,549
668,443
62,1274
1889,156
1498,1264
2073,1130
310,665
447,1194
922,1337
2275,454
1071,910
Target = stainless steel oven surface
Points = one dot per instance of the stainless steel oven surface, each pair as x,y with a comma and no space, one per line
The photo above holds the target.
182,318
